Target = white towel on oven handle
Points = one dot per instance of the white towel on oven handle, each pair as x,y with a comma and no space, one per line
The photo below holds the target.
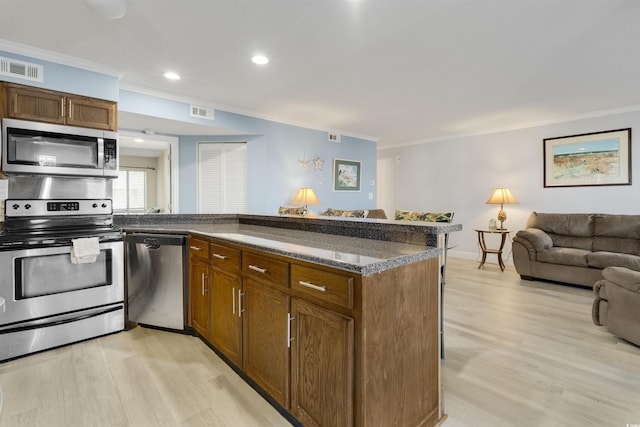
85,250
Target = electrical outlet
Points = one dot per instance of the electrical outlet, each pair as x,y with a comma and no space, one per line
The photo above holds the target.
370,196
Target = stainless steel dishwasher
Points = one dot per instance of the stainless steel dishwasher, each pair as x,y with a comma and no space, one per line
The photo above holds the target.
156,277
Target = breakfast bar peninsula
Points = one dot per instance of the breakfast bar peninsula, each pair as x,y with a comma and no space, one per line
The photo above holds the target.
335,321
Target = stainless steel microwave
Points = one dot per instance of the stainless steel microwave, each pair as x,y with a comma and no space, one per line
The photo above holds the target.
48,149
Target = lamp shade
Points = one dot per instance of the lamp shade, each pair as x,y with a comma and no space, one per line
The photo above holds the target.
306,196
502,196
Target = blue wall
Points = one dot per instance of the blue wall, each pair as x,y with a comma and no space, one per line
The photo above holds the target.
68,79
274,149
274,154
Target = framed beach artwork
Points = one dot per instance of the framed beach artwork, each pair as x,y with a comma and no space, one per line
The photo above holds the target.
346,175
600,158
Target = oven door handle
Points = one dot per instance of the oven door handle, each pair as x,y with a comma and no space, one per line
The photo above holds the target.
62,319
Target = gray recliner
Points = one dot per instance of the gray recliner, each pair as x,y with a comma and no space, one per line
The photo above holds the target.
617,303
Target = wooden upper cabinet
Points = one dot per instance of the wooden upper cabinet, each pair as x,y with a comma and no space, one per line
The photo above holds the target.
27,103
30,103
91,113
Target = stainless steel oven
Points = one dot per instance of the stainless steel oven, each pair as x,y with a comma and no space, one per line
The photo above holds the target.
49,299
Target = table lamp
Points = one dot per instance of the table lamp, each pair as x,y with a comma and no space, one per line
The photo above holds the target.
306,196
502,196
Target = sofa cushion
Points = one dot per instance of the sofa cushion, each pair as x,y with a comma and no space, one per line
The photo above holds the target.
424,216
576,242
616,244
292,210
347,214
578,225
613,259
564,256
624,226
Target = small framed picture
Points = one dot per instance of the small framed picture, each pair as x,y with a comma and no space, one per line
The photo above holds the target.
346,175
599,158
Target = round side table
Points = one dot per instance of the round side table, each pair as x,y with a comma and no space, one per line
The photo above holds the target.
483,245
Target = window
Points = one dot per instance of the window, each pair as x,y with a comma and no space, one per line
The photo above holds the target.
222,177
130,191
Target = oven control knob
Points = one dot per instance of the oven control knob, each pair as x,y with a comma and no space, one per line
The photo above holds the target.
104,205
95,205
15,206
27,206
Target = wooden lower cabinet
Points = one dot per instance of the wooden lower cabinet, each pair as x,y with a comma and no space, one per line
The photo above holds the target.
265,346
331,347
226,315
321,366
199,296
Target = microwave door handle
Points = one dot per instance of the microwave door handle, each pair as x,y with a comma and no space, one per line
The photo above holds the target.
101,154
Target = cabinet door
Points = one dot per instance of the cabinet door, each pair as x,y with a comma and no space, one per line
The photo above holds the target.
199,296
322,363
226,320
265,346
92,113
34,104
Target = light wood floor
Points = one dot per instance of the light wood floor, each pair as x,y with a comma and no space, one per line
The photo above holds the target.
517,354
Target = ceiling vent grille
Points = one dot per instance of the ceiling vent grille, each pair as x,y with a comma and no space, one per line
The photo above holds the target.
201,112
21,70
334,137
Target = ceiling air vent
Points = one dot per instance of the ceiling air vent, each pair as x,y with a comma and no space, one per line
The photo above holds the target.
201,112
334,137
20,69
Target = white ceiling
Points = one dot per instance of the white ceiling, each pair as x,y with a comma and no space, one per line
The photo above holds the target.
402,71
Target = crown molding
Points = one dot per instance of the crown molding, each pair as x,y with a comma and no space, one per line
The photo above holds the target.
58,58
235,110
521,126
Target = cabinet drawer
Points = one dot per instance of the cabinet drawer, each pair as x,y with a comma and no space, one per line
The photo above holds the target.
224,257
264,268
199,248
331,287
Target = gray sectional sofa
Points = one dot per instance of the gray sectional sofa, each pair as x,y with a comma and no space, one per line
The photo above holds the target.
575,248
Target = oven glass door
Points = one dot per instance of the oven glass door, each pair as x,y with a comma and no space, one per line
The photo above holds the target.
37,276
43,281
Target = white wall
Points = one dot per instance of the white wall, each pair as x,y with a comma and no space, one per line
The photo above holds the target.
460,174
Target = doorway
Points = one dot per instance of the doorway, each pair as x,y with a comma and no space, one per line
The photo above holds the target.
148,181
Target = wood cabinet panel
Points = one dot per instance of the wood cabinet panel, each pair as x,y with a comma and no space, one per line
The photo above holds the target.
226,320
327,286
199,296
43,105
265,347
321,366
92,113
265,269
225,257
199,248
23,102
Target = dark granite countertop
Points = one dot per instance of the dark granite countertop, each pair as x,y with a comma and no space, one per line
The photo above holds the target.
363,247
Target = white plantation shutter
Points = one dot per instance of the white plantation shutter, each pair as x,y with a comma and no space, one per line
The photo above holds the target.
130,191
137,190
222,178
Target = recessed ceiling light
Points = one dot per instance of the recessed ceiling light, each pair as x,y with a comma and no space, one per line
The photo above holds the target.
138,140
260,60
171,75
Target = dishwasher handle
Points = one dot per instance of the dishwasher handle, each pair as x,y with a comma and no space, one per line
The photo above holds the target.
153,240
